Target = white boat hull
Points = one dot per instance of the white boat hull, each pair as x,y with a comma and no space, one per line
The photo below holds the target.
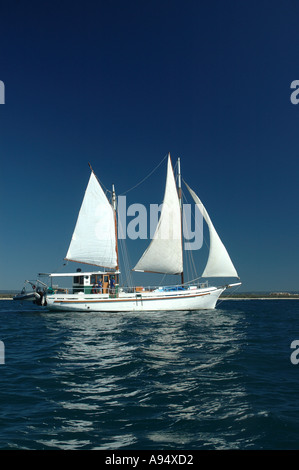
196,299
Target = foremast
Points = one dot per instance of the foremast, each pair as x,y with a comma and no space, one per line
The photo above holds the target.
181,207
115,224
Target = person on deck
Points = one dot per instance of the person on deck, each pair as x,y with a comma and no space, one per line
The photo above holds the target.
112,285
99,287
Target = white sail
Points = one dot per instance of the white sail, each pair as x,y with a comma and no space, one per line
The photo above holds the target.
219,263
164,254
94,238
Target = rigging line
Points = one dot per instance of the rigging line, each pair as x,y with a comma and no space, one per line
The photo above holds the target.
189,254
106,190
228,296
144,179
162,280
104,187
200,227
100,182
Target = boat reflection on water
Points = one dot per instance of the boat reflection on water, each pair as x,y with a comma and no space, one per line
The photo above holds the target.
145,378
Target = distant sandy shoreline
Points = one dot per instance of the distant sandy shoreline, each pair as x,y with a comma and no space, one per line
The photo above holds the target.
225,298
259,298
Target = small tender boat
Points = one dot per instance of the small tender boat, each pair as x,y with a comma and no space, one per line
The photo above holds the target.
37,295
30,296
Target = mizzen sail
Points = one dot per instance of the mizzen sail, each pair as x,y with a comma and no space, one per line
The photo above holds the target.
164,254
94,238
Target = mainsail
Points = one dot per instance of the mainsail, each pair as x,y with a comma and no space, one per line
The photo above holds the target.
219,263
94,238
164,254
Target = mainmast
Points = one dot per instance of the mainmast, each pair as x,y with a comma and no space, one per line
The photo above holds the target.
180,200
115,223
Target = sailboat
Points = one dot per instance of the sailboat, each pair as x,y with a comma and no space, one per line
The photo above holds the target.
95,243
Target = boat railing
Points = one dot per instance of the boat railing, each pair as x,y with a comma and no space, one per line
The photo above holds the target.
173,287
115,291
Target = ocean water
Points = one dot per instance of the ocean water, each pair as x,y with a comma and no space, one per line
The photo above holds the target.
218,379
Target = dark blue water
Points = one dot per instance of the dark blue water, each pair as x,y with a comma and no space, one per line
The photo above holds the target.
219,379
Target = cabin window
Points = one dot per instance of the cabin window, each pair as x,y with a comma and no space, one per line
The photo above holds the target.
78,280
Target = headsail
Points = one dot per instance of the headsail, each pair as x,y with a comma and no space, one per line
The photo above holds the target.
164,254
219,263
94,238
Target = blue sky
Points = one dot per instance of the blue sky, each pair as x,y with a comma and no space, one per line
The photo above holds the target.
121,84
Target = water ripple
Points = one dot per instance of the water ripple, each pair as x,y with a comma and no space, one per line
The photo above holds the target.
175,380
